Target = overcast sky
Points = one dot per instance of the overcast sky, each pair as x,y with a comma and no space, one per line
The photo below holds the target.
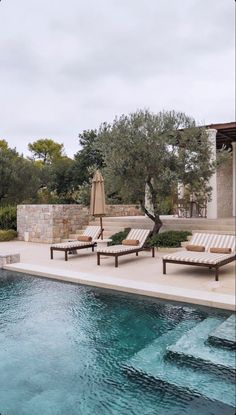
69,65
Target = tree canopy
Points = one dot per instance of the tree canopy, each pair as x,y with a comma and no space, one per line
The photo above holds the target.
143,156
24,180
46,150
61,179
148,154
87,159
19,180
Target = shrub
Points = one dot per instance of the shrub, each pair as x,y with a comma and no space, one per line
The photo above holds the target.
166,206
169,239
8,217
118,237
7,235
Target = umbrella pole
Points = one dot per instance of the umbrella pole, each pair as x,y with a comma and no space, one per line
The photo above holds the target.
101,227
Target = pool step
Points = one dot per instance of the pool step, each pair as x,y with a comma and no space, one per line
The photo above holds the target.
195,348
151,362
225,334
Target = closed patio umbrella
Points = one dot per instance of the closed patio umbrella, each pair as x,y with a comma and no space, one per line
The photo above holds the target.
97,204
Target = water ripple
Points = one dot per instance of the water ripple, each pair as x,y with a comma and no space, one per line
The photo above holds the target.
63,349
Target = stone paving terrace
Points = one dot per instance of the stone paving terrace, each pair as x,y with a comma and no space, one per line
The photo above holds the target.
142,274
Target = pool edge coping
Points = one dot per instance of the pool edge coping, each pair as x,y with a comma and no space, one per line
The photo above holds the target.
205,298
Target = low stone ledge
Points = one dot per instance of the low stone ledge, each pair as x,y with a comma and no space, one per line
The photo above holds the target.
9,259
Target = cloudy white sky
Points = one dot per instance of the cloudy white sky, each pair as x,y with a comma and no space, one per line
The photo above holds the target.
68,65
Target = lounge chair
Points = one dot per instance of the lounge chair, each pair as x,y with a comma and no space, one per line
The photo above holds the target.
210,242
91,233
136,236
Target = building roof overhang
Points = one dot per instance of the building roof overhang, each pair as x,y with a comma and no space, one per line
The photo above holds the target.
226,133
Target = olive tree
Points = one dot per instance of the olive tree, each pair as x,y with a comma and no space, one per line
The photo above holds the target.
147,153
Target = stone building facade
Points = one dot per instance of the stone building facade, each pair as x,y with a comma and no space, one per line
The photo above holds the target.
223,181
224,190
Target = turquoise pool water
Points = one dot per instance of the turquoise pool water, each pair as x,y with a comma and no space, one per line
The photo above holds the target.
71,350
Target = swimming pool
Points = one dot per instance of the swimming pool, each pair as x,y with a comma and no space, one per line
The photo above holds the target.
73,350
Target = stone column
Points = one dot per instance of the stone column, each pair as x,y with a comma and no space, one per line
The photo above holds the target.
234,177
212,206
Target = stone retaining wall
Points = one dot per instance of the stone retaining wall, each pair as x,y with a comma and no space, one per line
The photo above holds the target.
51,223
123,210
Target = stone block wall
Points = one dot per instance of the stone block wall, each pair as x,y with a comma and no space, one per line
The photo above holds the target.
123,210
8,259
225,190
50,223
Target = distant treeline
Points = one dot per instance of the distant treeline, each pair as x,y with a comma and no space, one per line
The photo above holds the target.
143,157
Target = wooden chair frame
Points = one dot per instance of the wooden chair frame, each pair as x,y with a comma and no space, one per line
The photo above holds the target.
215,266
117,254
67,249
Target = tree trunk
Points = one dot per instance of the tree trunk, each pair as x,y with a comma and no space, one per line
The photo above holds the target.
157,225
155,218
152,202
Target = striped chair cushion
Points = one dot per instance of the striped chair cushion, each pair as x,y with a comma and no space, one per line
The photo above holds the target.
93,231
115,249
71,244
213,240
198,257
139,234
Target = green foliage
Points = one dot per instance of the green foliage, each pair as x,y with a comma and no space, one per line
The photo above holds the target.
169,239
138,151
87,160
118,237
8,217
55,172
166,206
47,197
19,178
28,181
150,151
3,145
7,235
46,150
82,194
137,148
61,177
